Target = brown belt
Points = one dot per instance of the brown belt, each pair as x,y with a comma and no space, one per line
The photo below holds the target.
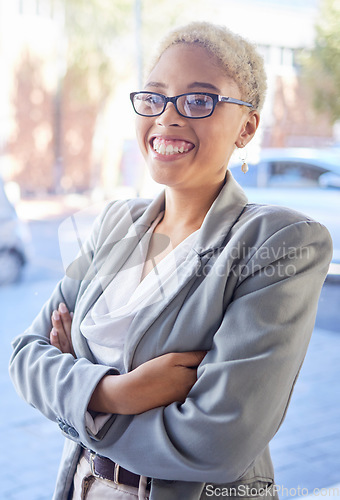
106,469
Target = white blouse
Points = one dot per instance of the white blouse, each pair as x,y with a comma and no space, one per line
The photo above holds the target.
107,323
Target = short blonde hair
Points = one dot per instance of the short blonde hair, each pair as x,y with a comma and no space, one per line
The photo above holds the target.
238,57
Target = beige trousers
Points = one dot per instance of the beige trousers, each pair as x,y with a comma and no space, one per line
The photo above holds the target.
88,487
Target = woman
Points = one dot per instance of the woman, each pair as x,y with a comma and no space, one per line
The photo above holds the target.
192,312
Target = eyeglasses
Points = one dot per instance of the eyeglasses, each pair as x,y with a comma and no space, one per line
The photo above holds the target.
191,105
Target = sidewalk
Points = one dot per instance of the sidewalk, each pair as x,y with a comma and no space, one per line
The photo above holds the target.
62,206
306,449
53,206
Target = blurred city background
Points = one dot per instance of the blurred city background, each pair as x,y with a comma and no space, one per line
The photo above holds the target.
67,67
67,145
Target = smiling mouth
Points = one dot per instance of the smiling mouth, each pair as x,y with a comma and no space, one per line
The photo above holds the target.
168,147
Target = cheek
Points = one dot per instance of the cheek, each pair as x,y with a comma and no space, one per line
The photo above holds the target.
214,140
217,144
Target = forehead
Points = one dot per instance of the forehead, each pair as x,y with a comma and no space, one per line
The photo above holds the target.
182,65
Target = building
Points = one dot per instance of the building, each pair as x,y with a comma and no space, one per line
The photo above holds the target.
283,31
47,139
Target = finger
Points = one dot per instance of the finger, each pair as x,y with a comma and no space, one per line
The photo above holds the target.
57,323
54,339
192,359
65,318
64,340
200,355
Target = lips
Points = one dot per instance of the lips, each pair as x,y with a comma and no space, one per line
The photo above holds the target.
171,146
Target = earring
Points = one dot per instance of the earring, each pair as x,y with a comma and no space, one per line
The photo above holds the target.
243,158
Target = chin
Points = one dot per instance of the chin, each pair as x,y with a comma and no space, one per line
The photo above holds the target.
165,176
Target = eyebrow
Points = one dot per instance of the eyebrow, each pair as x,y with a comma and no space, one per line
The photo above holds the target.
156,84
204,85
193,85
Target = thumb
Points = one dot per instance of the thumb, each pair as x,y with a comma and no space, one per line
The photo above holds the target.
194,358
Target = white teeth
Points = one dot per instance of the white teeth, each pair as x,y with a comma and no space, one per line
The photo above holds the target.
162,149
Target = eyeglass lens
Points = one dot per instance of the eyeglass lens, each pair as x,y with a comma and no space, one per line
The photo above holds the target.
192,105
195,105
148,104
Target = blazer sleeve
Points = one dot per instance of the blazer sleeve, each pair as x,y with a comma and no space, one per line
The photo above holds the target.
47,379
245,381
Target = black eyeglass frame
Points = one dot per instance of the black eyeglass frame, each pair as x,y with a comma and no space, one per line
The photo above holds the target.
215,97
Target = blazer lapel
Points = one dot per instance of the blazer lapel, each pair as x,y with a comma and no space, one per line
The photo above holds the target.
146,316
116,254
222,215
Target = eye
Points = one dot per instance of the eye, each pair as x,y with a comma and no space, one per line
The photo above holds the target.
148,103
150,99
199,101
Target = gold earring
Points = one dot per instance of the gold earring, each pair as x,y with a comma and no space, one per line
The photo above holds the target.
243,158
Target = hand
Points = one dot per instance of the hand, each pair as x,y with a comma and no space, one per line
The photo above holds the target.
60,335
158,382
165,379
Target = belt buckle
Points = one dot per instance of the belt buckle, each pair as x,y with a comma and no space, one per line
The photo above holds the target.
116,474
92,466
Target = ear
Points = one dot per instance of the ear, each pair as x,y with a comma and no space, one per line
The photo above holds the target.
248,129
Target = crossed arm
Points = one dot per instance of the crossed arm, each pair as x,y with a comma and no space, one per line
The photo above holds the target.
244,383
158,382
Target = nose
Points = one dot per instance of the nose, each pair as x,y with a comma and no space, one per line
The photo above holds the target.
170,117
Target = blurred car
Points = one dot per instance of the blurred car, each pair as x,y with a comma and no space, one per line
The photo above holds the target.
13,241
293,168
307,180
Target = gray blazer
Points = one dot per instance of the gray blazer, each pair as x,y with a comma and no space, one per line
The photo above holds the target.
247,292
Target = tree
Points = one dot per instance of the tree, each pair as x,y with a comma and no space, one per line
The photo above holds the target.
90,56
103,42
322,66
94,31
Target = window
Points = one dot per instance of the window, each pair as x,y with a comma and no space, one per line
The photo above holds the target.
41,8
290,173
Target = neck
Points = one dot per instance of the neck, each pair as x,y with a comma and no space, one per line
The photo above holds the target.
185,209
